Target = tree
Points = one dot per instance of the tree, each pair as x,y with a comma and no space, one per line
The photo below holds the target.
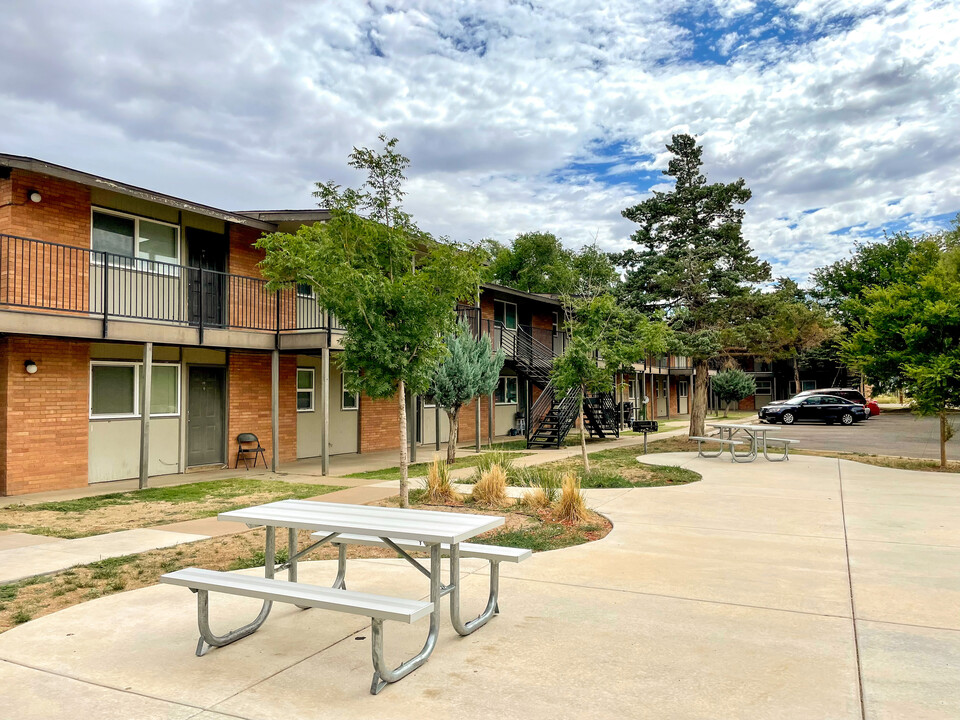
910,331
393,288
537,262
469,370
693,263
733,385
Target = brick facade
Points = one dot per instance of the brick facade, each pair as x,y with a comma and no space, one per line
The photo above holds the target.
248,406
380,423
43,417
62,215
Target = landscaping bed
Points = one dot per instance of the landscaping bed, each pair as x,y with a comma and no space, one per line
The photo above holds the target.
465,459
145,508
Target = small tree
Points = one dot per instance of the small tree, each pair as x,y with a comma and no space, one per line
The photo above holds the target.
909,332
470,370
733,385
393,288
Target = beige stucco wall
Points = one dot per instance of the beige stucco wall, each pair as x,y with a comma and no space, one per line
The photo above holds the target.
115,448
343,423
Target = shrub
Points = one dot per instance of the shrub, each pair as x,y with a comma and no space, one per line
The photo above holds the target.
571,506
544,488
21,616
439,488
491,489
495,457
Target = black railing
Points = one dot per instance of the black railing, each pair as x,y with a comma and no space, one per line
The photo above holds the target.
63,279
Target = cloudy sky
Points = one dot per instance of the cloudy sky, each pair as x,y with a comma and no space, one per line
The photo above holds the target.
843,116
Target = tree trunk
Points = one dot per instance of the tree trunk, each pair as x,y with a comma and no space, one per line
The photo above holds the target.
454,417
796,374
726,408
943,438
698,411
404,484
583,438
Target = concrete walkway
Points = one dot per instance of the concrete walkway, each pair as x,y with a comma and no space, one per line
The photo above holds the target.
814,589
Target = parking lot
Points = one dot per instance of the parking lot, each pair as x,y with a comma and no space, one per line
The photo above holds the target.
890,433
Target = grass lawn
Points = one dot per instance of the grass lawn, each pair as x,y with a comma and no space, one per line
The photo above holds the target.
464,460
153,506
618,467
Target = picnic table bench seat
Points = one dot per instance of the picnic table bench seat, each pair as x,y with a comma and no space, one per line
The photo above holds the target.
493,553
779,441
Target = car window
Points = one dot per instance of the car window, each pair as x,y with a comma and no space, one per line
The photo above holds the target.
812,401
833,400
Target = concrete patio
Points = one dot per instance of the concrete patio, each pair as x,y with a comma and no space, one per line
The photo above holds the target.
817,588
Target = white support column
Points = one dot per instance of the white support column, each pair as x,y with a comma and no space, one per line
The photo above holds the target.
491,421
325,407
275,409
436,422
146,373
479,439
412,420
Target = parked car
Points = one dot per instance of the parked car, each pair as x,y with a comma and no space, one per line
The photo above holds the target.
820,408
846,393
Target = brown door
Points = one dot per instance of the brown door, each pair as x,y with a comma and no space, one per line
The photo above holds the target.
205,416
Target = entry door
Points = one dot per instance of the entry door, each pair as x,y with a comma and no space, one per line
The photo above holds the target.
205,416
207,250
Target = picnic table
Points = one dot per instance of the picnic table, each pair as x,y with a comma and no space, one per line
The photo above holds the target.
402,530
756,437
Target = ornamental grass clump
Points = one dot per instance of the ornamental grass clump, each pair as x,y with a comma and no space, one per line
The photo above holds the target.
439,488
490,490
571,507
544,489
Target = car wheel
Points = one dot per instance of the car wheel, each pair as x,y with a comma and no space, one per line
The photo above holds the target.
788,418
846,419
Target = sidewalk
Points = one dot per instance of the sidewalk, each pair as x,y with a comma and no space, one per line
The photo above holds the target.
23,555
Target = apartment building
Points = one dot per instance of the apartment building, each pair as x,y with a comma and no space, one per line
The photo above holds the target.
104,285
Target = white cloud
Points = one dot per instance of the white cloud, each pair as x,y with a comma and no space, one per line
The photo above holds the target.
244,104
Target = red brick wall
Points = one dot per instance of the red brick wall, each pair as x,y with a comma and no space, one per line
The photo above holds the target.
44,417
62,216
380,423
248,389
251,306
747,403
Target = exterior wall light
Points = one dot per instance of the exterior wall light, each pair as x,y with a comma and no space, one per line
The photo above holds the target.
30,366
34,196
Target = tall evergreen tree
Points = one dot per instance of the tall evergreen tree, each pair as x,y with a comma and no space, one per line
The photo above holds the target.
693,261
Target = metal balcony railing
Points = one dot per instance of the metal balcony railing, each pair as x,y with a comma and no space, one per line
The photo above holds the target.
68,280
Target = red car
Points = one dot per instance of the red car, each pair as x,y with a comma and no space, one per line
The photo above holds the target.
850,394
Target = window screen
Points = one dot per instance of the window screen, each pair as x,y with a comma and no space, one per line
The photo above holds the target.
165,390
112,389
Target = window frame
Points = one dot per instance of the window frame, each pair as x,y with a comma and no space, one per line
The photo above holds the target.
137,366
683,388
768,384
502,386
96,260
312,390
516,314
343,395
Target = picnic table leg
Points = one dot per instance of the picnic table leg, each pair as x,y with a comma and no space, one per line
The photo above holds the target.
203,607
748,456
465,628
341,583
382,673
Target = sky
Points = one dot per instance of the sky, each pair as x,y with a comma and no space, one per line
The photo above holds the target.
841,115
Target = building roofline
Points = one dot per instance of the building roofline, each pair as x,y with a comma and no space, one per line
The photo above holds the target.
278,216
78,176
539,297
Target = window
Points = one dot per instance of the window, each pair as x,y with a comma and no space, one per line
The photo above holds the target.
305,389
505,314
348,400
304,290
115,390
429,401
808,385
506,392
682,388
556,323
131,236
764,387
815,400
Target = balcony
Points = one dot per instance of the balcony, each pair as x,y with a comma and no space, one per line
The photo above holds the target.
77,292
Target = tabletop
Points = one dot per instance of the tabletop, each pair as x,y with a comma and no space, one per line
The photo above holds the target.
428,526
737,426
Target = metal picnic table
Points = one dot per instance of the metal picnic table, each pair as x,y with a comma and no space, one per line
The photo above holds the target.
757,435
437,531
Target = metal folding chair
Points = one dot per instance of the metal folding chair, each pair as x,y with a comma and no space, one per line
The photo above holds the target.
245,452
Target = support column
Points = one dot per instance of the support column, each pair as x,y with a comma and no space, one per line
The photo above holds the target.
436,422
526,409
479,440
412,420
325,405
491,424
275,409
146,375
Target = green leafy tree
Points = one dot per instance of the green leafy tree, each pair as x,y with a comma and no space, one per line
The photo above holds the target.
469,370
693,263
537,262
733,385
393,288
909,333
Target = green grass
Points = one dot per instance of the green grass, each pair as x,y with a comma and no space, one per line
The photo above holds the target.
192,492
464,460
540,537
618,467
